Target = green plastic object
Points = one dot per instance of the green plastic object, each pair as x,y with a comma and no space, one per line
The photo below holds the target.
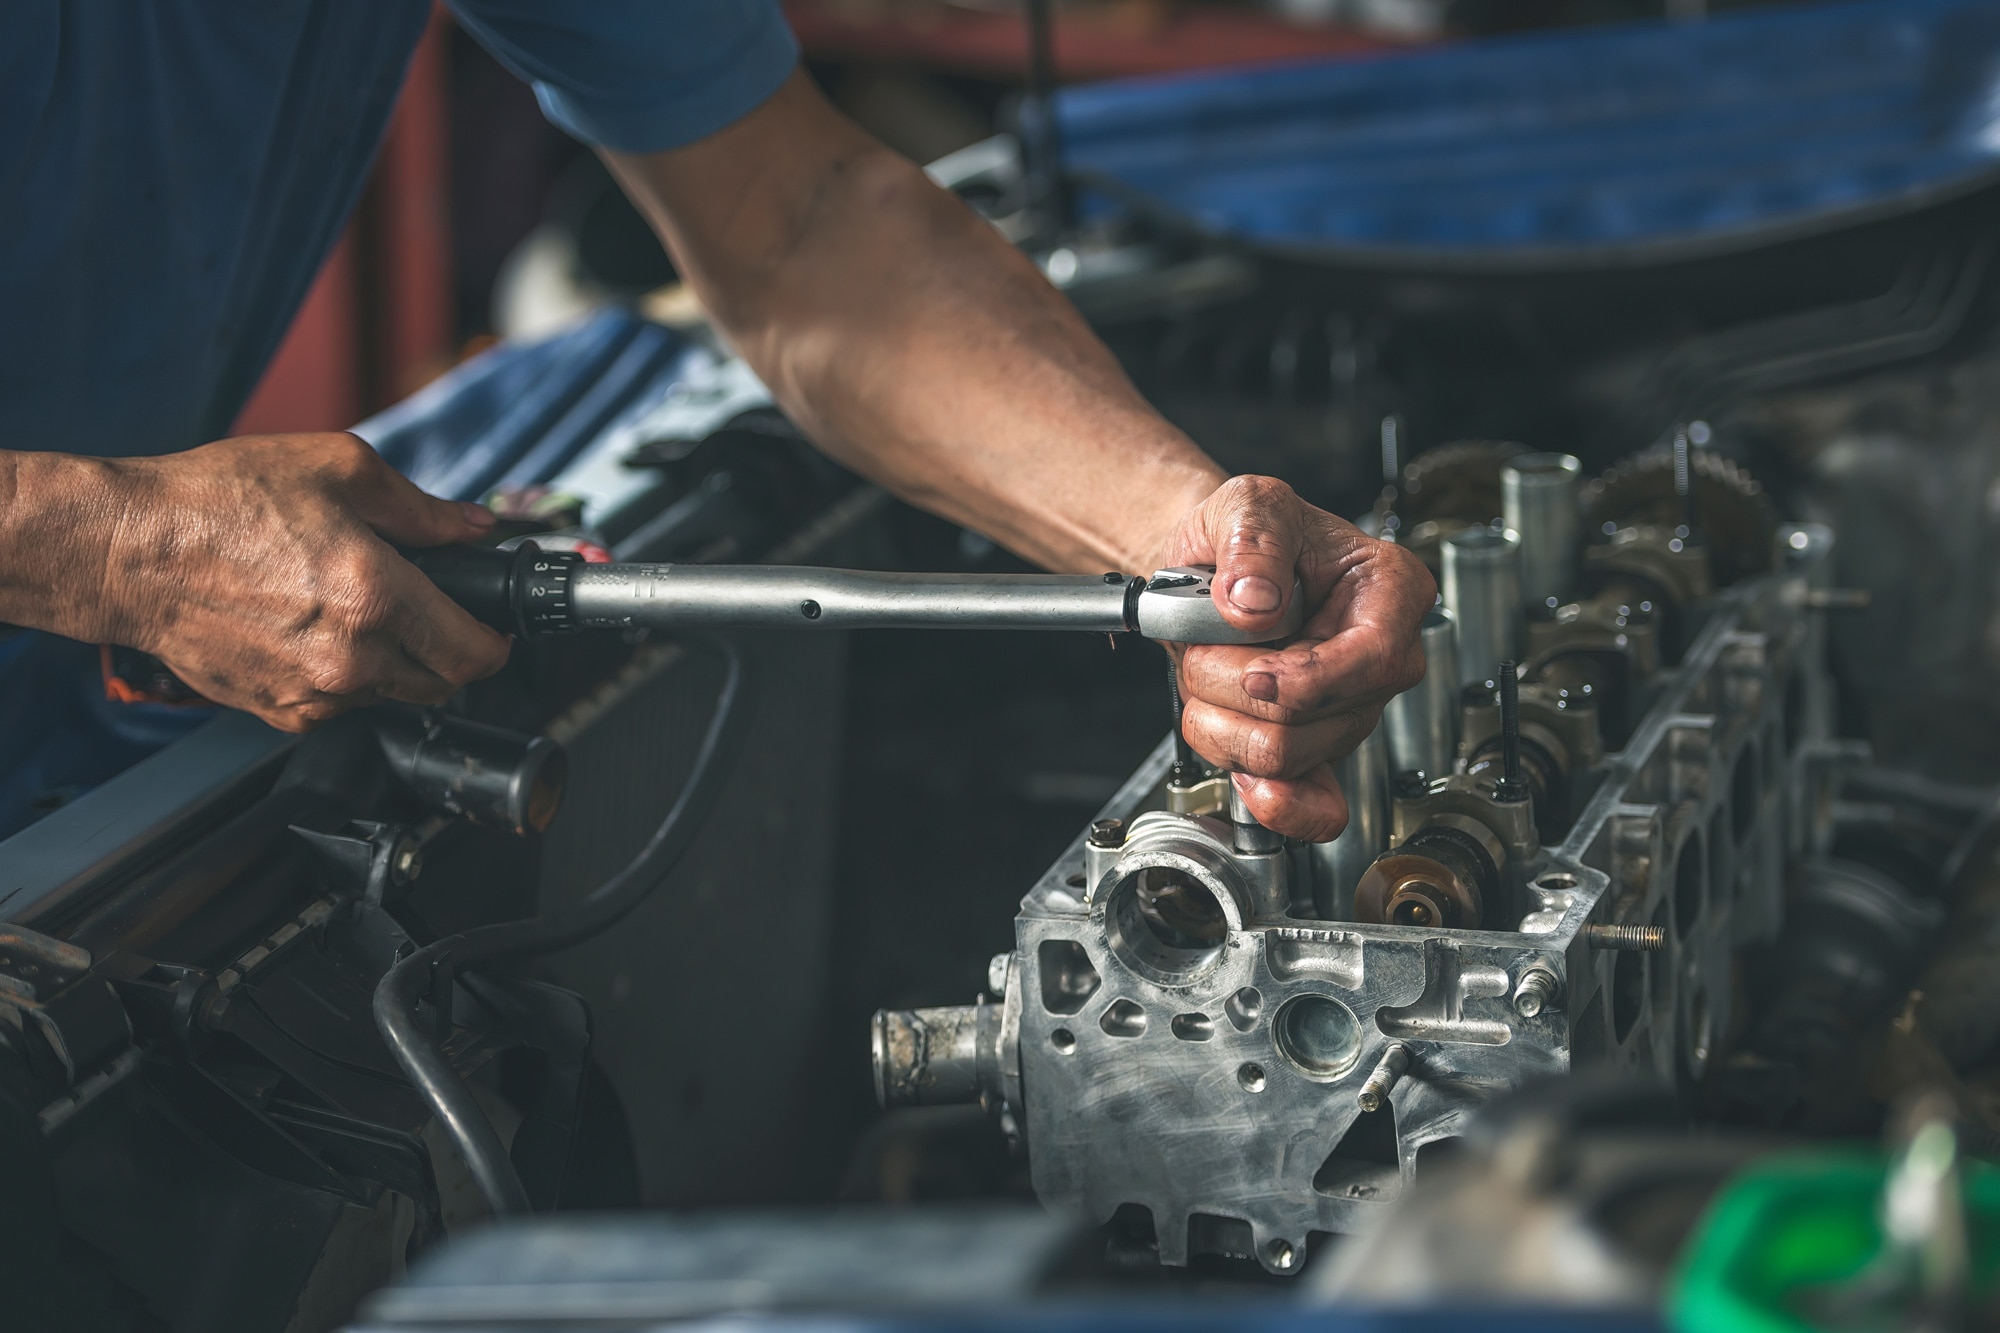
1785,1240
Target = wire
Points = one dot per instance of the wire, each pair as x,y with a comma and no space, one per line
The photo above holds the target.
457,1110
414,977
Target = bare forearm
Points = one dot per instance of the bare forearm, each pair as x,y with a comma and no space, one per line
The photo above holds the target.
58,518
918,347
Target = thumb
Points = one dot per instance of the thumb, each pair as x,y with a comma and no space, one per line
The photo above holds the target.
390,503
1255,528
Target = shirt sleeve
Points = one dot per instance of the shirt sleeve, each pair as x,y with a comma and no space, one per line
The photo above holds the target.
639,76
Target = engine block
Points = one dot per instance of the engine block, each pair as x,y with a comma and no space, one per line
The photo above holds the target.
1255,1042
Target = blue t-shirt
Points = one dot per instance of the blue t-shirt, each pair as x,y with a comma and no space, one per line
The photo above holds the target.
173,173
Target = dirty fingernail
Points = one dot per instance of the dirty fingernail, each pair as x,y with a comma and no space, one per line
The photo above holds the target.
478,515
1253,592
1260,685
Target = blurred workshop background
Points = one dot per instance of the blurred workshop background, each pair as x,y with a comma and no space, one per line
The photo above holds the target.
483,221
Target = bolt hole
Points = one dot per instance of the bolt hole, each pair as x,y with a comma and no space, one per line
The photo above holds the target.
1122,1018
1063,1040
1557,881
1251,1077
1319,1036
1243,1008
1076,881
1281,1254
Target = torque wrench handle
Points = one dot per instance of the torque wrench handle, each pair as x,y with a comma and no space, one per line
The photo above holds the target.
532,593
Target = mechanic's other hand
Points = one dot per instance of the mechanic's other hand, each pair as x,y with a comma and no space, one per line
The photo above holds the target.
259,569
1280,718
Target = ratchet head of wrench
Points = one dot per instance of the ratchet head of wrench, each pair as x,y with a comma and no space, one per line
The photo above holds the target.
1178,606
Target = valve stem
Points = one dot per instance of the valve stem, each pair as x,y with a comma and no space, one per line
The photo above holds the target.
1511,786
1683,480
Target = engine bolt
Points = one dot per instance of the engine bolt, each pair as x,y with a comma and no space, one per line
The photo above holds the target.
1631,939
1107,833
1388,1072
406,862
1535,991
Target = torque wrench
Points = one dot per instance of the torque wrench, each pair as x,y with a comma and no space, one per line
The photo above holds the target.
533,593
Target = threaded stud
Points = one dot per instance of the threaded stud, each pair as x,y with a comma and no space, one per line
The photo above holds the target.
1630,939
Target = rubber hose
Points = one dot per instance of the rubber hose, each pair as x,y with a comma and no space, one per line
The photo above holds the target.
409,980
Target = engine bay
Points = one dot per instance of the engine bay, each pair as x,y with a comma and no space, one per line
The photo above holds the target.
969,982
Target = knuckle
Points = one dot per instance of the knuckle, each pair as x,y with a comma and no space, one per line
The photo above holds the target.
304,717
1258,490
462,671
1410,567
353,567
1384,666
479,655
288,720
359,580
1268,750
347,456
336,673
1412,669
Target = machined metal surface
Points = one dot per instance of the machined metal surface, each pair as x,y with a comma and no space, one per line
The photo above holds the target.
1539,504
1482,589
1364,780
1174,605
782,597
1420,726
1248,1076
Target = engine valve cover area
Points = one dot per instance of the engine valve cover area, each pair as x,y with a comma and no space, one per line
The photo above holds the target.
1177,1037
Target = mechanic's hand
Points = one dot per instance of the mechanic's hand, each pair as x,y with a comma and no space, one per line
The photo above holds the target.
259,570
1279,718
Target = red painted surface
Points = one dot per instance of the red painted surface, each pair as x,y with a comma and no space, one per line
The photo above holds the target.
1106,44
411,216
378,322
314,383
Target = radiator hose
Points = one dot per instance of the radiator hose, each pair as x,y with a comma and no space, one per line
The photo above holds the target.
414,977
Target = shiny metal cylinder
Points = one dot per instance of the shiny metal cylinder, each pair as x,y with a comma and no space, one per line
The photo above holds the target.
1251,838
1338,865
934,1057
801,597
1539,501
1420,725
1482,589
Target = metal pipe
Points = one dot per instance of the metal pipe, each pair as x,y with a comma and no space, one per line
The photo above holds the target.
1538,498
787,597
414,976
1420,725
934,1057
1250,837
1482,587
